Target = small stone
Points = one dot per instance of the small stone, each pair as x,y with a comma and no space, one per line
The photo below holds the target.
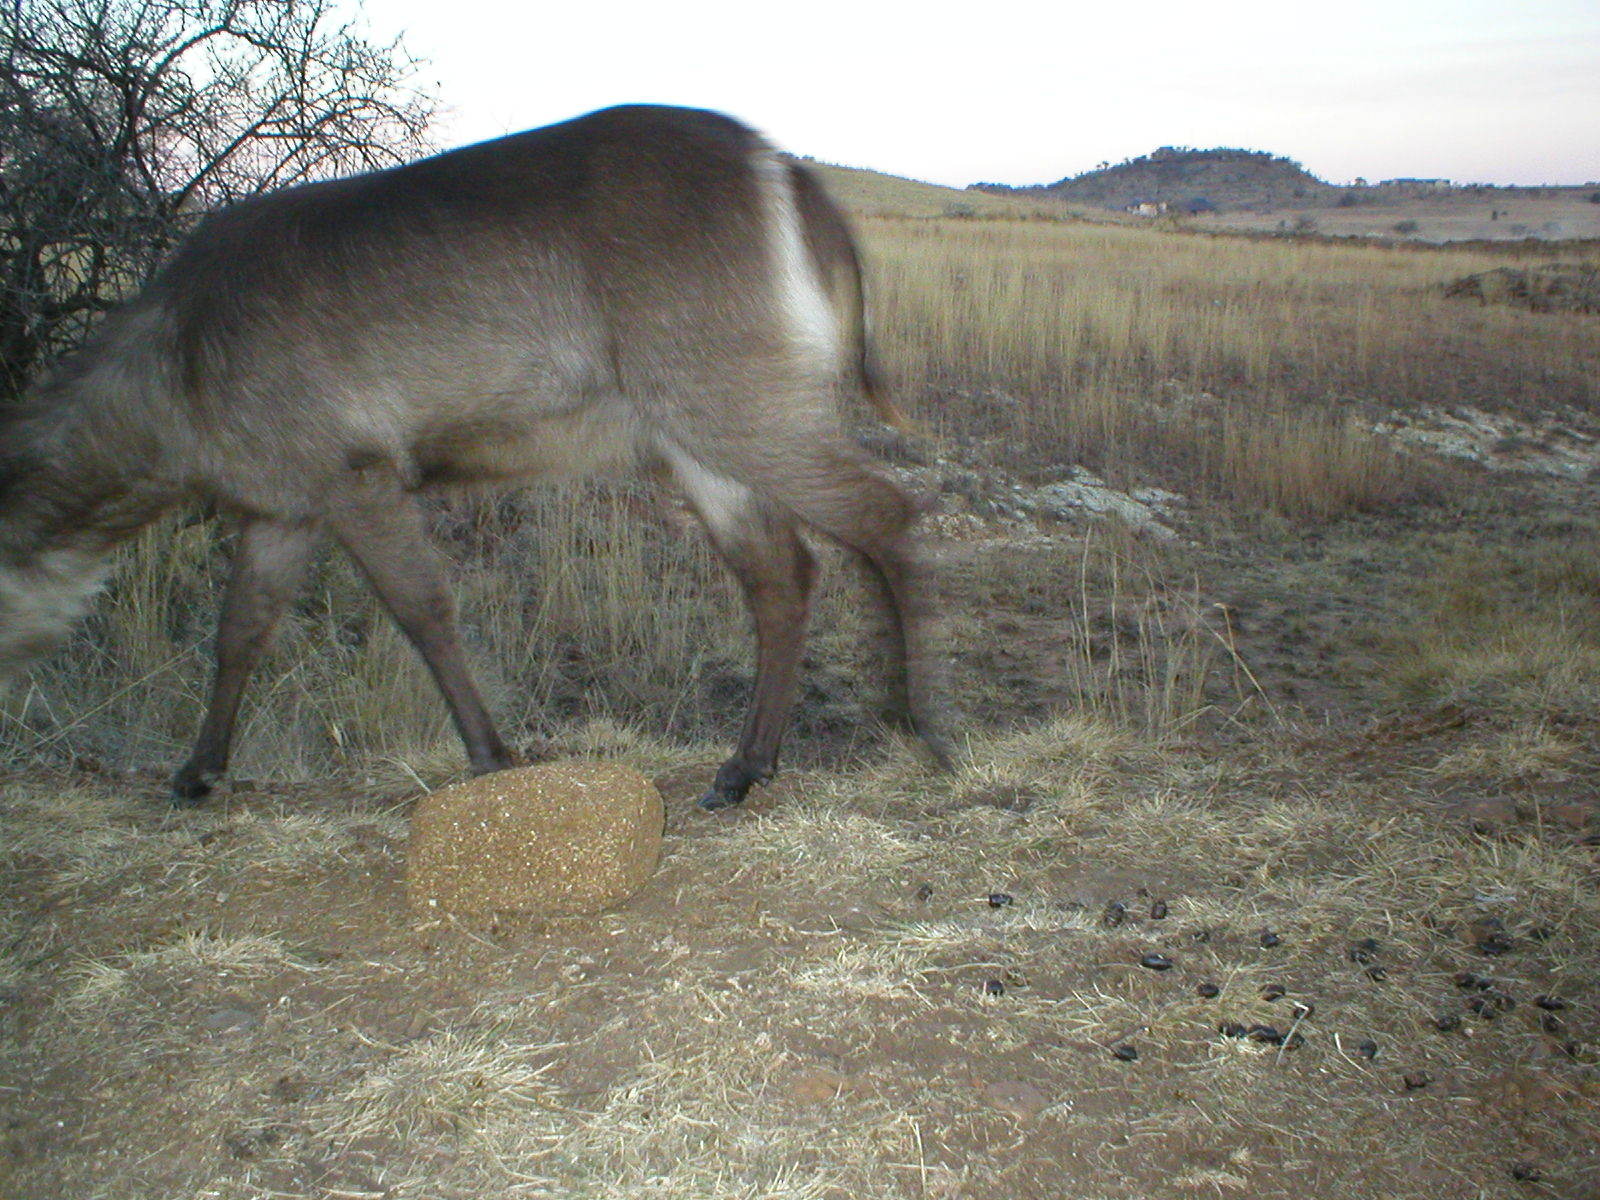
1447,1022
1576,815
925,893
1273,991
1115,914
1416,1079
1158,911
1367,1048
1526,1172
1127,1052
1265,1033
994,987
230,1020
1550,1003
1209,991
1156,962
1016,1098
1269,939
1000,899
818,1086
246,1144
1487,816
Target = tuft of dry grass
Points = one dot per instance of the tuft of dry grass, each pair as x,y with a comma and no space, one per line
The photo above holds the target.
96,987
457,1082
1514,631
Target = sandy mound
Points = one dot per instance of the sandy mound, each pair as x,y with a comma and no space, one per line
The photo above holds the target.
557,839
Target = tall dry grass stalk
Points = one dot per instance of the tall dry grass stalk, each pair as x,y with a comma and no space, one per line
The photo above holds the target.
1086,325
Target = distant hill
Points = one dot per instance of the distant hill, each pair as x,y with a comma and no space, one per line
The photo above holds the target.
872,193
1187,180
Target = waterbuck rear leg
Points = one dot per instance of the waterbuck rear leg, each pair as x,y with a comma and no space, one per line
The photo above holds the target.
763,549
268,565
382,529
826,483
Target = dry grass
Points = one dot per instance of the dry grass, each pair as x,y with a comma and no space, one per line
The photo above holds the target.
817,998
1247,368
799,1007
1512,630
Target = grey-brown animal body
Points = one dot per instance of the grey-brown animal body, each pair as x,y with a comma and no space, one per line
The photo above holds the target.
643,286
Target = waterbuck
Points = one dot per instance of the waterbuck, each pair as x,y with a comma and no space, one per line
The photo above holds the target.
646,286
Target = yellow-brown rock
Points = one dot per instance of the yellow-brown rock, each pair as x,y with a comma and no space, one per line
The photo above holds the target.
559,839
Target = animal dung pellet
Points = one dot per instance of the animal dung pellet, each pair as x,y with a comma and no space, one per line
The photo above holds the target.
1208,990
1127,1052
1000,899
559,839
1493,945
1156,962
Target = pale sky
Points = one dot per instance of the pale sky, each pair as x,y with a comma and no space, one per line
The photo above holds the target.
1013,91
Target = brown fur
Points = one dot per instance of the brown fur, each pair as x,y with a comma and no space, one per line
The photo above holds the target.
640,287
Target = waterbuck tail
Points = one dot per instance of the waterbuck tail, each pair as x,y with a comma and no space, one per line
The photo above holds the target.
833,252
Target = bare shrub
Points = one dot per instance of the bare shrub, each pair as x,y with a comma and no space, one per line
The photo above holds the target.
121,121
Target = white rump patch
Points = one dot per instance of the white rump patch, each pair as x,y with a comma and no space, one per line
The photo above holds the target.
812,321
41,602
723,503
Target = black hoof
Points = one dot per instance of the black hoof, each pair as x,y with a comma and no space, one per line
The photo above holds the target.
719,798
943,751
190,788
732,783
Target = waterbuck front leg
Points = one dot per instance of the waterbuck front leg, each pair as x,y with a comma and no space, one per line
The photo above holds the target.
382,529
762,548
268,566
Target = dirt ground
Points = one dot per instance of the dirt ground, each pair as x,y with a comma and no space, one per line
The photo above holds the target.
1317,940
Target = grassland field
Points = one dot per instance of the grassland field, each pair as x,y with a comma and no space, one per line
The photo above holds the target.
1269,575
